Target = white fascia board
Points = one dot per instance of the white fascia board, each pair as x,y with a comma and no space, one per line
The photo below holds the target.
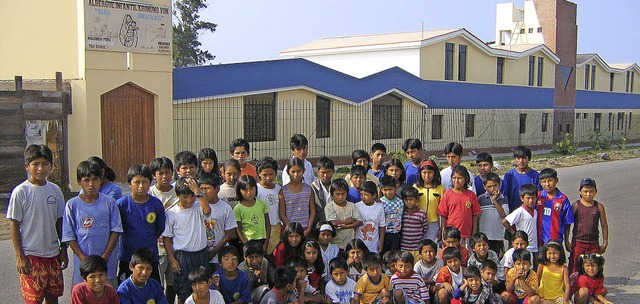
353,49
399,92
601,62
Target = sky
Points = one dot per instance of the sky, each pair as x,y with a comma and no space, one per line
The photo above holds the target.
253,30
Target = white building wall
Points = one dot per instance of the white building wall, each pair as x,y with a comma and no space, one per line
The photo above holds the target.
507,18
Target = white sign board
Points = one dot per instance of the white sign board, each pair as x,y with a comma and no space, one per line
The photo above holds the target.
124,27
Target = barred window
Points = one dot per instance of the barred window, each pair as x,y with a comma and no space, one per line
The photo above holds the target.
596,122
523,123
323,117
545,122
469,125
436,127
386,117
260,117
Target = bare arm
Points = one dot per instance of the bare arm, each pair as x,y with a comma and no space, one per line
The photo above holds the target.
475,223
267,226
76,250
22,262
241,235
282,209
567,286
228,234
381,232
173,263
312,213
64,258
540,270
494,200
354,224
605,229
443,223
508,226
111,244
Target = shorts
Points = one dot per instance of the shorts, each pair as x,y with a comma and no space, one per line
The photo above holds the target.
578,249
45,279
188,261
274,238
524,300
432,231
558,300
166,276
391,242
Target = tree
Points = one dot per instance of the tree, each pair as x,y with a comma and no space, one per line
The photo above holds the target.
186,47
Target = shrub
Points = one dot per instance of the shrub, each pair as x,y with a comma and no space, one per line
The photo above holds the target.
567,145
599,141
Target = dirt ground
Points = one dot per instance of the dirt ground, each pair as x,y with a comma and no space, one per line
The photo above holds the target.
4,227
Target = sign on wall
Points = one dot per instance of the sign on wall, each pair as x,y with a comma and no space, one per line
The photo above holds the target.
125,27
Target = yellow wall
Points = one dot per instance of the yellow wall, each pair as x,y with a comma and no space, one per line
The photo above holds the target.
584,126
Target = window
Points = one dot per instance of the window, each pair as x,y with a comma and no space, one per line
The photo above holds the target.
620,120
593,77
626,88
585,115
532,64
323,117
522,31
436,127
612,76
448,61
260,117
577,115
559,129
587,69
631,85
610,122
469,125
386,117
500,70
530,30
596,122
523,123
539,30
545,121
540,63
462,62
629,121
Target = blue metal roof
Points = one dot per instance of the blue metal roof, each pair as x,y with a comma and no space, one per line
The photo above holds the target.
606,100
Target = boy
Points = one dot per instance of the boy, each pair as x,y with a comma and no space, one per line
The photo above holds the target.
524,217
522,174
300,149
522,283
378,154
220,224
480,250
362,158
451,238
373,226
409,287
453,152
257,269
268,192
185,236
414,221
428,265
393,209
389,259
186,164
91,223
357,176
306,292
35,209
340,288
321,185
342,214
373,285
140,287
494,208
284,285
94,288
232,283
488,271
143,220
555,214
450,277
239,150
412,148
199,279
473,290
484,162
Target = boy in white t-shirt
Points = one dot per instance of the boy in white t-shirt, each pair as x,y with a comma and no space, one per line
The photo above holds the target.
220,223
268,192
525,217
374,224
299,149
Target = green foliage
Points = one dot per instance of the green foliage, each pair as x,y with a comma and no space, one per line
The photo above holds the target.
567,145
186,28
599,141
622,141
399,155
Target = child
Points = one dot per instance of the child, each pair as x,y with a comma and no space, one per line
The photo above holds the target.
306,292
409,287
143,221
591,280
94,288
315,265
522,283
431,187
329,251
412,148
362,158
290,244
484,162
185,235
199,278
389,259
521,175
300,149
588,212
395,169
321,185
107,186
555,214
473,290
140,287
553,274
357,176
520,240
378,154
221,222
257,269
228,280
488,271
297,201
450,277
342,214
524,217
371,286
355,251
186,164
207,162
414,221
453,152
252,214
494,208
393,209
268,192
227,191
451,238
480,250
340,288
428,265
284,285
459,206
91,223
239,150
373,226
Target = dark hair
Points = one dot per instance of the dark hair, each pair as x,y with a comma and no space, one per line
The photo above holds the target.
490,264
356,244
91,264
267,163
108,172
298,140
228,250
186,158
297,261
199,274
397,163
253,247
86,168
232,163
471,272
370,187
210,154
484,157
161,162
390,256
477,238
357,154
522,152
284,276
594,257
357,170
378,147
36,151
411,143
319,227
548,173
450,253
182,186
451,232
410,192
142,255
587,182
243,183
428,242
432,166
141,170
387,181
522,255
338,184
520,235
405,257
211,179
454,147
530,189
370,260
239,142
542,256
318,264
491,176
293,227
326,163
338,263
294,161
462,170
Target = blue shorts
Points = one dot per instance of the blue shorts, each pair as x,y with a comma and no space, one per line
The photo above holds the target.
188,261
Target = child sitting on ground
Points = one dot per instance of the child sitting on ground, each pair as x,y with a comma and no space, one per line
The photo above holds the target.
372,286
451,238
450,277
480,250
522,283
328,250
257,269
590,283
340,288
283,288
228,280
306,292
94,288
200,278
140,287
473,290
428,265
409,287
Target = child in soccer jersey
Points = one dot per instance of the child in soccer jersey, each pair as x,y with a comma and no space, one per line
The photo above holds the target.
555,214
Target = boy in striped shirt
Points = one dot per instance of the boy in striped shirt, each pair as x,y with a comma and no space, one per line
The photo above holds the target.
408,286
414,221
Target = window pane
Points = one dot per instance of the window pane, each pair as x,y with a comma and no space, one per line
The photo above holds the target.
545,121
323,117
523,123
448,61
436,127
462,62
532,60
260,117
386,117
540,63
469,125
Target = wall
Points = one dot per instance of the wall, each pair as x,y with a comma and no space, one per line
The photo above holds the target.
362,64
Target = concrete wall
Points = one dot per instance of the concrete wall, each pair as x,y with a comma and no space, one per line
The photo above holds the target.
362,64
609,127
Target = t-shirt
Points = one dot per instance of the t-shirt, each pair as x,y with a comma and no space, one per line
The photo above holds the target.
253,280
414,227
340,294
531,280
445,175
274,297
554,213
428,272
307,177
186,228
168,198
334,212
215,297
91,224
595,286
368,291
270,196
328,255
236,289
513,180
411,174
524,221
81,294
479,183
142,223
253,219
490,221
393,213
507,262
430,200
250,170
372,222
459,208
413,286
353,195
111,189
129,293
226,193
379,174
217,223
37,208
446,275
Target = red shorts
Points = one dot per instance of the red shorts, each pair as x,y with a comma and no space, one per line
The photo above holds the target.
578,249
45,279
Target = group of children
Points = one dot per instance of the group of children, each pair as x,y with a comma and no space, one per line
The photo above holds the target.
387,232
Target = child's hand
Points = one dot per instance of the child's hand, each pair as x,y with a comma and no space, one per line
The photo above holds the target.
215,280
175,266
23,264
193,185
302,285
567,245
447,287
603,248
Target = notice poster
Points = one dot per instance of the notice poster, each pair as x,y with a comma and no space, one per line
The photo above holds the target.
125,27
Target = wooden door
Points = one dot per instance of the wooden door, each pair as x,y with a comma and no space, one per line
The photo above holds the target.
128,135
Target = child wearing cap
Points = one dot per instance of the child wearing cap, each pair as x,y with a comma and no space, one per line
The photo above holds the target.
329,251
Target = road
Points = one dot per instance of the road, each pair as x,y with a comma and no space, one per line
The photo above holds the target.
618,189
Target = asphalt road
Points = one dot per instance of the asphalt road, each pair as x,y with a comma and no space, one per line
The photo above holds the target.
618,189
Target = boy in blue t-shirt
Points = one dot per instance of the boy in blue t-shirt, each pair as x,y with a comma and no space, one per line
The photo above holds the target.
139,287
522,174
232,283
412,148
555,214
357,176
484,162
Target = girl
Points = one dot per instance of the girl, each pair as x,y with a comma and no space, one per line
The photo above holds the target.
207,162
297,201
252,214
227,192
520,241
290,244
591,279
459,206
355,251
329,251
553,275
430,185
315,265
395,168
107,186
